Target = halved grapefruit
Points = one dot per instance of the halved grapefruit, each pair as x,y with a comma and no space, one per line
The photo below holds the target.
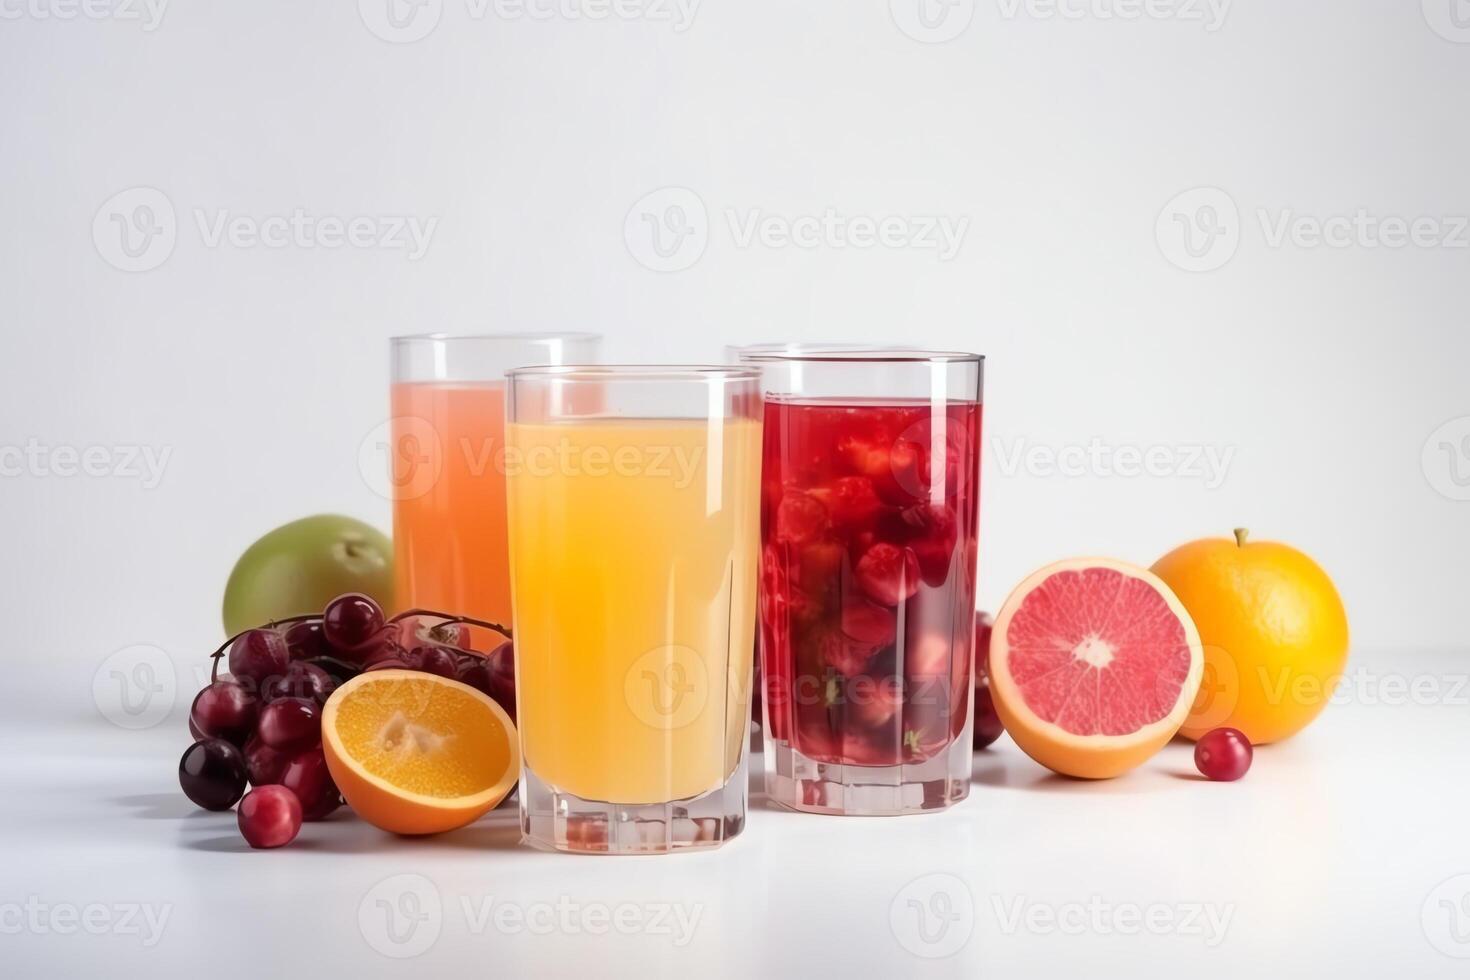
415,753
1093,666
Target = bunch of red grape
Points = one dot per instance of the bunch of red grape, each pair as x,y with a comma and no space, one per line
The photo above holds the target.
261,723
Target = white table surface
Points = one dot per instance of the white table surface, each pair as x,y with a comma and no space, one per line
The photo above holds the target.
1344,852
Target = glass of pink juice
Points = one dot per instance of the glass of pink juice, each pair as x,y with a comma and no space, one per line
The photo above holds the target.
447,465
869,508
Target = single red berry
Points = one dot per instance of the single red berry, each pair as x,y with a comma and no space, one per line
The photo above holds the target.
799,518
888,573
269,816
1223,755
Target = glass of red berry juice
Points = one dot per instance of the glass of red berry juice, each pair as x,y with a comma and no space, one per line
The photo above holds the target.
870,495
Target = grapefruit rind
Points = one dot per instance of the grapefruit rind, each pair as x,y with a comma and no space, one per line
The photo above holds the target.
394,808
1086,756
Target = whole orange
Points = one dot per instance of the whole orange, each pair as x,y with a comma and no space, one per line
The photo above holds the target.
1274,631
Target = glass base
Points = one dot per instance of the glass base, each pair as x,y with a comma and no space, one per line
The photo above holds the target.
801,783
558,821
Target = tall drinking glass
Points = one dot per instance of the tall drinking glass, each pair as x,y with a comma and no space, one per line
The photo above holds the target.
634,531
869,507
447,464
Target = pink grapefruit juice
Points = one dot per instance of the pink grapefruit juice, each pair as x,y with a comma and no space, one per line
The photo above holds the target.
449,522
867,590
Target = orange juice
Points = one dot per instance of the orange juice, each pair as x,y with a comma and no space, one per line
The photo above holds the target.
449,531
633,554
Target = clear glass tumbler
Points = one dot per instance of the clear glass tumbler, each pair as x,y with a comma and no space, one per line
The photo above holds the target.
869,507
634,531
447,476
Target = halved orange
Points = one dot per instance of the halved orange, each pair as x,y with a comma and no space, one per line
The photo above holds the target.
415,753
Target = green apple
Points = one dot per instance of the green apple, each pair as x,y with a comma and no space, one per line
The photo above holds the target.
299,567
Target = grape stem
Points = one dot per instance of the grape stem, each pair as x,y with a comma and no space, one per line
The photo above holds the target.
307,617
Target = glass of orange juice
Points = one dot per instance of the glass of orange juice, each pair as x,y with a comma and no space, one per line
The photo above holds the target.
447,476
634,526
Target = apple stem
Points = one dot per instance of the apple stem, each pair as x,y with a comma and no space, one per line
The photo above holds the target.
1240,536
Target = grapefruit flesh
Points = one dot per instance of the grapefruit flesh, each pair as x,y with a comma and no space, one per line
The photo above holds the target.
1094,664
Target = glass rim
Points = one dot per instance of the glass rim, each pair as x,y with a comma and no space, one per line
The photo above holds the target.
517,336
854,353
634,372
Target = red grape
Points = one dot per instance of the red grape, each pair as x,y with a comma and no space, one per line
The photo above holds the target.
263,764
435,660
290,724
800,517
224,710
306,775
212,774
270,816
1223,755
351,622
888,573
301,680
306,640
258,654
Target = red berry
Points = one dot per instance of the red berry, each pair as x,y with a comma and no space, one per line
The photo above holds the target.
301,680
888,573
258,654
932,536
307,777
851,500
864,621
263,764
1223,755
351,622
290,724
224,710
873,702
845,655
821,565
270,816
799,518
212,774
988,725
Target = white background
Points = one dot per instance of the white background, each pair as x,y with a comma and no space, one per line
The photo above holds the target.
1334,379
